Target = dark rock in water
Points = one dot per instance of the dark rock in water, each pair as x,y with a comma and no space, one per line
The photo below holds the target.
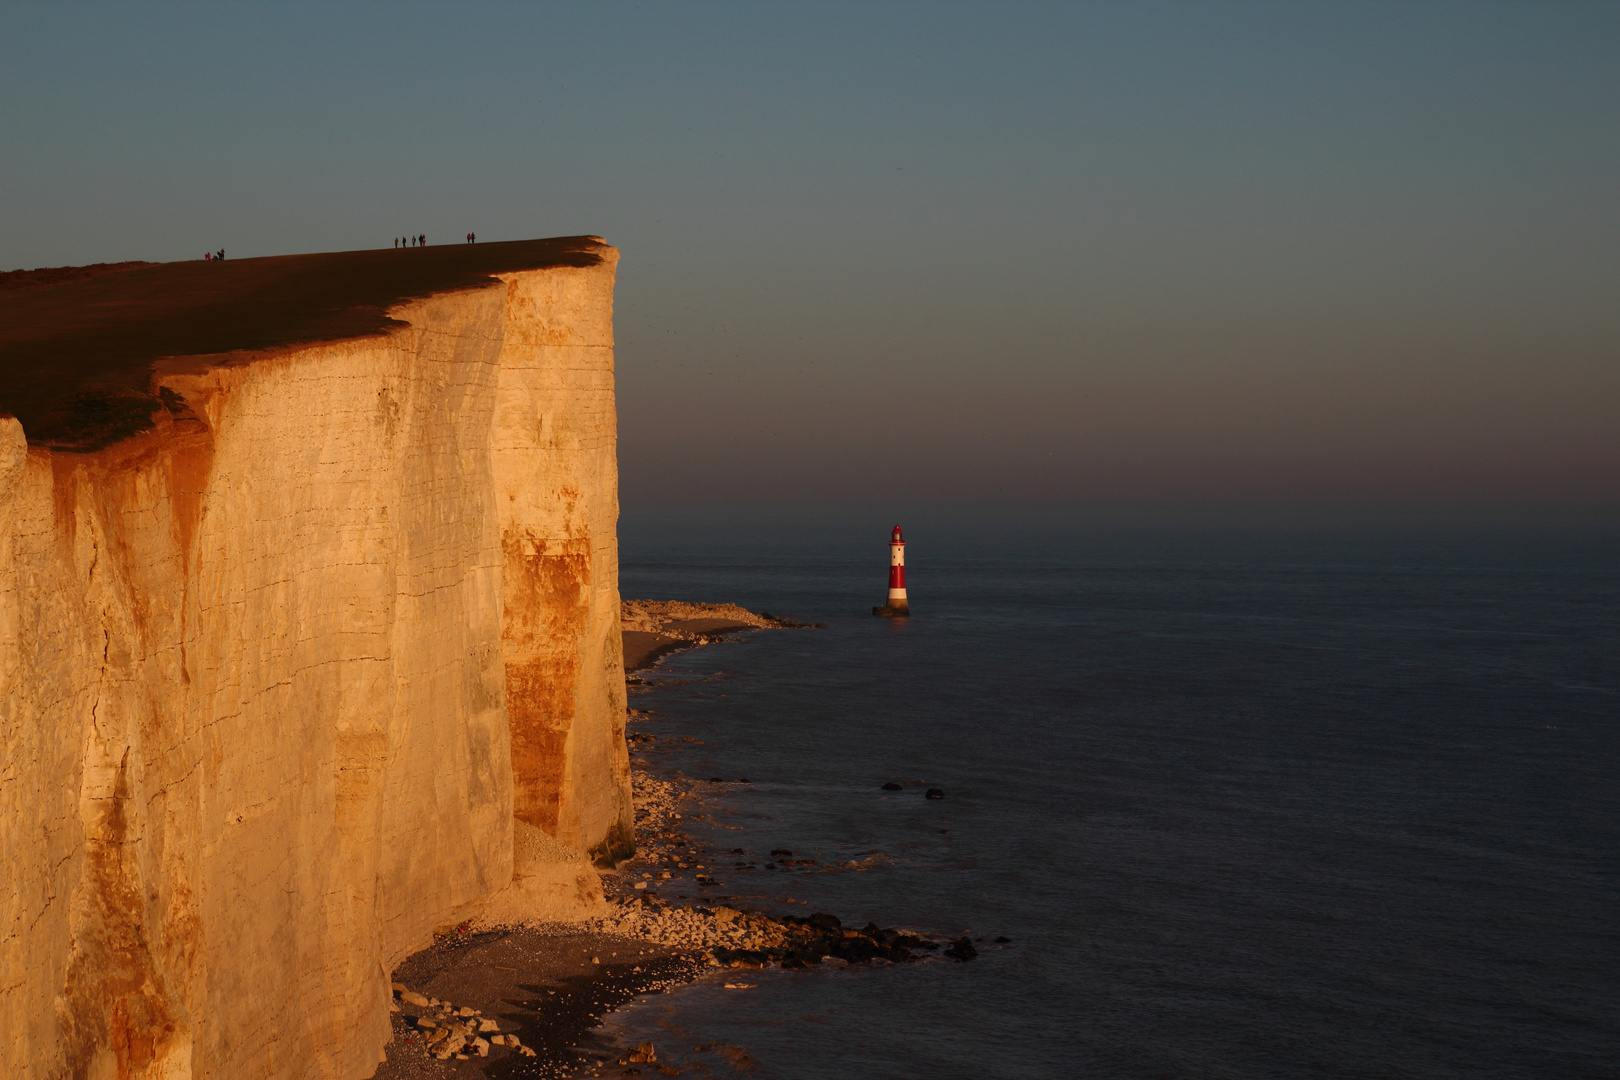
745,780
780,851
934,793
738,851
891,786
715,780
858,950
803,957
808,939
742,958
1003,941
962,949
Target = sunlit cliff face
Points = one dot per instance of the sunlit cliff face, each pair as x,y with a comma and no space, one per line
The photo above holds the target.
276,675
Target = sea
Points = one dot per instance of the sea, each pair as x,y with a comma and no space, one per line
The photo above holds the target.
1246,795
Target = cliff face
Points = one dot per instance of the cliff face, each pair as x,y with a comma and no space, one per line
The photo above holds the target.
277,674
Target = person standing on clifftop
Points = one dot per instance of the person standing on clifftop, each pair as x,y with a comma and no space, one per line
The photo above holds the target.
424,239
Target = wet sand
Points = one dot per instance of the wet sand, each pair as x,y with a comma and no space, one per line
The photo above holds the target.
644,648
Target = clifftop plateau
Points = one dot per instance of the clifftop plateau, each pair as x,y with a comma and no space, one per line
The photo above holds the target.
78,347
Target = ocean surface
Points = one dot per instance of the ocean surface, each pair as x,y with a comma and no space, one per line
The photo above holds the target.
1249,799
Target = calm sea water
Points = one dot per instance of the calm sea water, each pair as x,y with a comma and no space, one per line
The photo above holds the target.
1272,800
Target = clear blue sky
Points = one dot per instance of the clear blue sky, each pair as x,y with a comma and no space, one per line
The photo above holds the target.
1204,252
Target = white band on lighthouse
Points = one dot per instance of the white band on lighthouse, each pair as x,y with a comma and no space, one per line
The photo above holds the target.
897,557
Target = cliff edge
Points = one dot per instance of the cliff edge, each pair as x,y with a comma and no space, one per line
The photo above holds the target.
308,594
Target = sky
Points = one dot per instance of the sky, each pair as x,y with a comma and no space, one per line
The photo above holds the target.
1180,253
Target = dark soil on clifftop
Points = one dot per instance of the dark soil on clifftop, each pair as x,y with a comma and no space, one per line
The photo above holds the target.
78,344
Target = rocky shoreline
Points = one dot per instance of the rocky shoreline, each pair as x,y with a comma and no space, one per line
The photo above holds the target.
731,934
529,1000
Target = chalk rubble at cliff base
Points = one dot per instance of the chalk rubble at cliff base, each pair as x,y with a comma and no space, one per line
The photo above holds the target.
549,985
450,1031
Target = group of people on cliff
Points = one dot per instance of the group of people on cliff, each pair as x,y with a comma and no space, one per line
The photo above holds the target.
420,240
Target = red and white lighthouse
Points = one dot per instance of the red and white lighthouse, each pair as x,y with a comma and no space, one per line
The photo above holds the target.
897,578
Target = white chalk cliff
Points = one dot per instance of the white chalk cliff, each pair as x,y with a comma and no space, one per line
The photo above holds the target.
279,675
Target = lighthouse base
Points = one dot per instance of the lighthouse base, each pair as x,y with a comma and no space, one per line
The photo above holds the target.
893,610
